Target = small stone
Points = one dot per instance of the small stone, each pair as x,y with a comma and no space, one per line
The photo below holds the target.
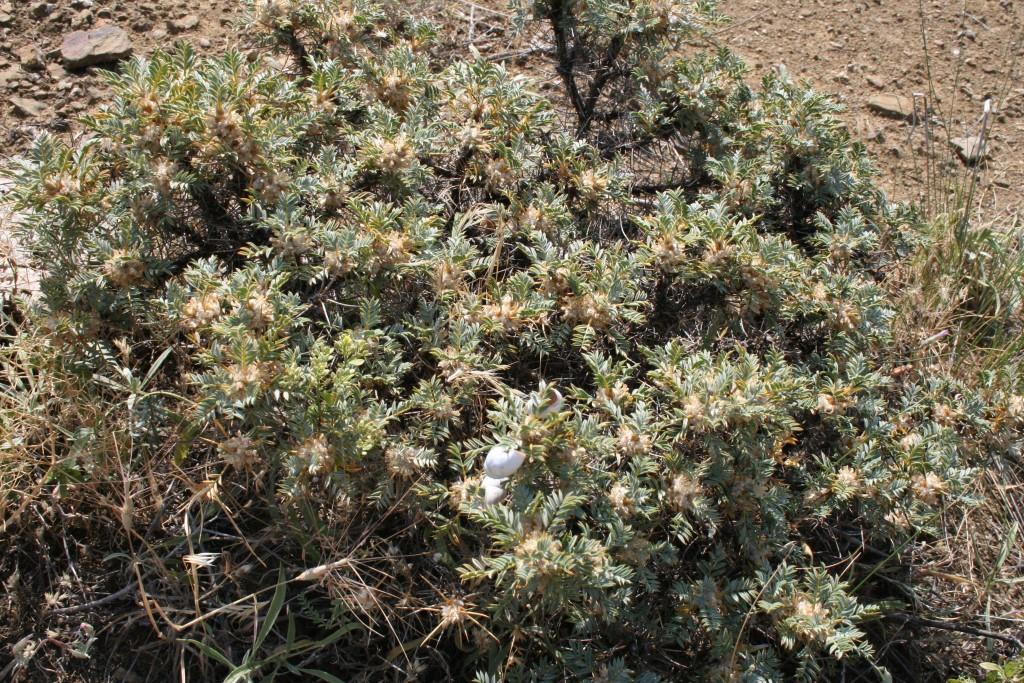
38,10
31,58
82,4
5,19
896,106
971,149
875,82
158,34
56,72
27,108
185,23
204,43
98,46
9,76
82,20
142,25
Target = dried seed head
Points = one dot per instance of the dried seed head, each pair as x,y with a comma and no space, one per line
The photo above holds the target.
592,183
498,174
124,269
846,480
631,443
683,492
315,453
401,462
621,499
396,155
202,310
238,451
928,488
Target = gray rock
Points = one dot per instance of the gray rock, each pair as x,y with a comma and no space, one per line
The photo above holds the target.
6,19
82,20
99,46
9,76
185,23
56,72
970,148
896,106
28,108
38,10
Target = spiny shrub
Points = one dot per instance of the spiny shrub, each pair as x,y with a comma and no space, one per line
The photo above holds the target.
323,283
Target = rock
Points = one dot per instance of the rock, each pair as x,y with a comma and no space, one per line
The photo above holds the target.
27,108
9,76
82,20
185,23
56,72
204,43
98,46
31,58
5,19
158,34
875,82
38,10
896,106
970,148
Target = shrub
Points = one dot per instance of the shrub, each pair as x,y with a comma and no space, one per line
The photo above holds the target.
318,287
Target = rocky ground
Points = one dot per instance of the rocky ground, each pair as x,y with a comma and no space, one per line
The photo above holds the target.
51,52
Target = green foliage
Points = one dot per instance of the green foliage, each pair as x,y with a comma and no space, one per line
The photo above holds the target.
1009,672
346,277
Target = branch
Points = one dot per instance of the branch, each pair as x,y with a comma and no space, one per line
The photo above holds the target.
604,73
299,52
113,597
959,628
558,16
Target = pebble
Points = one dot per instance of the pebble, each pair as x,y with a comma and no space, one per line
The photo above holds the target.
82,20
38,10
185,23
31,58
27,108
875,82
896,106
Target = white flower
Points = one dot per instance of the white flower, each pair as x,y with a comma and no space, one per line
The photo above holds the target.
502,463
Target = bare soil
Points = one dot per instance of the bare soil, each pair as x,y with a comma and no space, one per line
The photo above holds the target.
947,57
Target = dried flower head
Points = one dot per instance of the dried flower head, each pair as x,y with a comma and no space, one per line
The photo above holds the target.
928,488
238,451
124,269
683,492
201,310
